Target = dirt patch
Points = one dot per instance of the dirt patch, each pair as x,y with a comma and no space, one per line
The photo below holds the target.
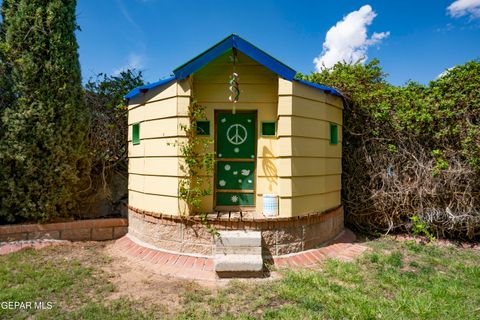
116,277
132,280
139,281
14,246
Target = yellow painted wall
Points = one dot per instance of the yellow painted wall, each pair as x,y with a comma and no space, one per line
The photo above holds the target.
299,164
154,164
311,181
259,92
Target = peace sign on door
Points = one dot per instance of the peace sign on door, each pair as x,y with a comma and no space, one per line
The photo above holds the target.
236,135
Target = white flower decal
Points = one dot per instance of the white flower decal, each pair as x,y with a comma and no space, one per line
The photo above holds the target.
223,120
219,155
222,183
236,150
227,167
235,173
239,180
252,156
249,120
234,199
249,181
245,172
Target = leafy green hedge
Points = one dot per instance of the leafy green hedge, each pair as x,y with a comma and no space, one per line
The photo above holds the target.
410,151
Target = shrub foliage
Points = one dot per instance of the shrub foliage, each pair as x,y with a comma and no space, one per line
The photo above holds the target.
43,152
108,130
410,151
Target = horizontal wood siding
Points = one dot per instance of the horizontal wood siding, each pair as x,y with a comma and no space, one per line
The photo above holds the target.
156,166
309,147
311,181
316,203
154,171
296,126
155,202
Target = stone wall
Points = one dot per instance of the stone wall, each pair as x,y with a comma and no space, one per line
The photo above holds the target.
280,236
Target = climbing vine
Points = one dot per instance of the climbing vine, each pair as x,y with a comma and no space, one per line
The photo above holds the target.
198,165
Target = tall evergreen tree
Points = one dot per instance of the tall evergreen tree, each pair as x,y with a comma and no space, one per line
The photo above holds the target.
6,98
6,94
44,149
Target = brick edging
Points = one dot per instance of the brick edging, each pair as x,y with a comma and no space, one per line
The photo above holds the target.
183,265
80,230
225,222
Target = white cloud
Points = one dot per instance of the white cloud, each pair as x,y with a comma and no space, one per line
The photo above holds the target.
460,8
444,73
134,61
348,40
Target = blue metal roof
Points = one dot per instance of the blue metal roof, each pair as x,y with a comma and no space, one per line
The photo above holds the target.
147,87
232,41
319,86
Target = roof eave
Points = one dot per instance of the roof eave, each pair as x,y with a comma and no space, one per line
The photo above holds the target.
143,89
234,41
321,87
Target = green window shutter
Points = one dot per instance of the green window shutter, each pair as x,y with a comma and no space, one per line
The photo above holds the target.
203,128
136,133
333,133
269,128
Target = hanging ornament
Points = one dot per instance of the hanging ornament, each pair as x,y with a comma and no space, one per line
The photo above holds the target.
233,82
234,88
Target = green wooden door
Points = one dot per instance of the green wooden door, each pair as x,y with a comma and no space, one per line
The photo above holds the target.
235,168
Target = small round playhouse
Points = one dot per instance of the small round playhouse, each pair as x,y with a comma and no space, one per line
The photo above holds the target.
277,157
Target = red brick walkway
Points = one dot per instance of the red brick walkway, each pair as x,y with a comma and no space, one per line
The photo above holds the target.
178,265
201,268
341,248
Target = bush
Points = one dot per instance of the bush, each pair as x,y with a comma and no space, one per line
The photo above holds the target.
108,135
411,150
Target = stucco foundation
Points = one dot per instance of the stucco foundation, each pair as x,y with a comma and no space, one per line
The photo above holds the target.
280,236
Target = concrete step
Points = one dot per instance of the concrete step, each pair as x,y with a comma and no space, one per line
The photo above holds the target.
239,239
238,253
220,249
238,263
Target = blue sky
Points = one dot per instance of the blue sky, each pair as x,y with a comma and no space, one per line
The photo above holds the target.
416,39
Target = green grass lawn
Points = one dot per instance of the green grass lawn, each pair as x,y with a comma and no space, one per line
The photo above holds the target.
395,280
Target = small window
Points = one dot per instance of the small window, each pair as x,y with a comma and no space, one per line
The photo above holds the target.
333,133
203,128
269,128
136,133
